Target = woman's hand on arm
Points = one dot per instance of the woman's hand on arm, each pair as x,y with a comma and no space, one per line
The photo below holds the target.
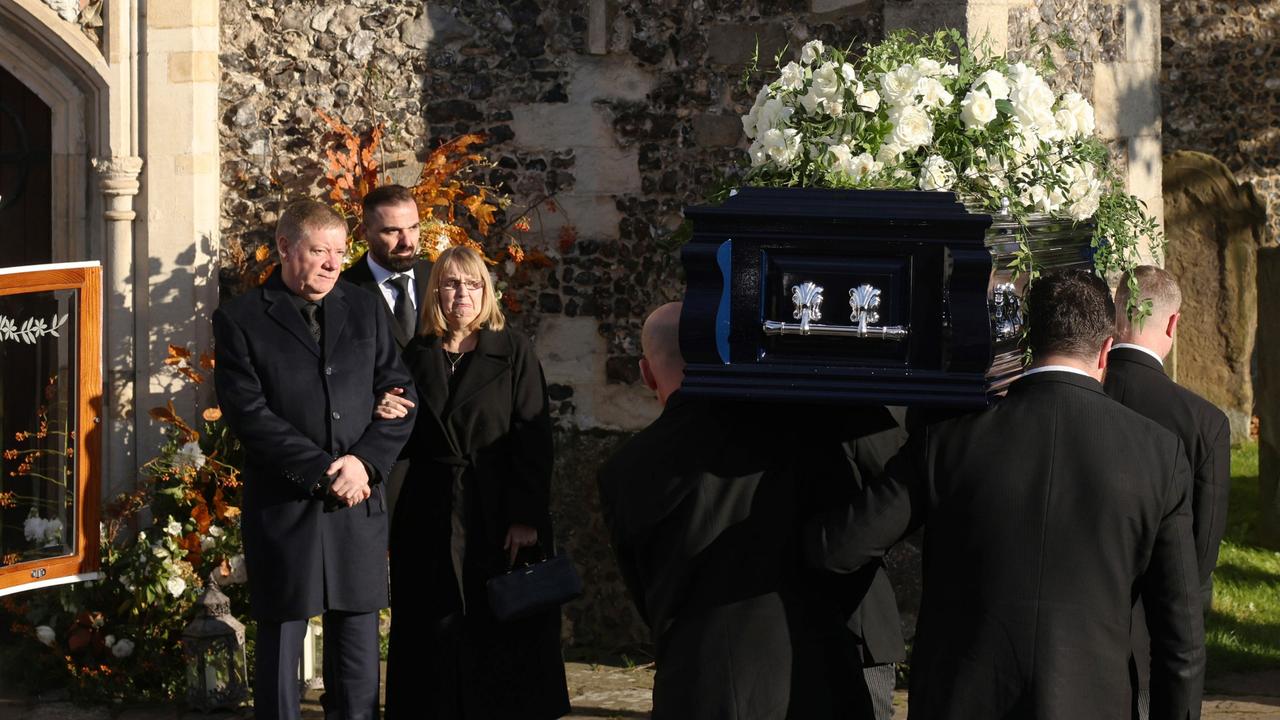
519,536
392,406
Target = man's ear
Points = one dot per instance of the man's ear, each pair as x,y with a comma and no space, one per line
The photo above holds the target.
1102,354
282,245
646,373
1172,327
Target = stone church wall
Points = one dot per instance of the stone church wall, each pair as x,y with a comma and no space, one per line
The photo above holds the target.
1220,88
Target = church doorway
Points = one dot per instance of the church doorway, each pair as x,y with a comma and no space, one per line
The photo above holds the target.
26,183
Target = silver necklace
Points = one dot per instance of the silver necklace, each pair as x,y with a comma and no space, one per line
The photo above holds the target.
453,361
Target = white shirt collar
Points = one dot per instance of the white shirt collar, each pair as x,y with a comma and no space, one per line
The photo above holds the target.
1132,346
1056,368
381,274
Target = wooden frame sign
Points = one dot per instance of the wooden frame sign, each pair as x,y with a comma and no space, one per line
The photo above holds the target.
50,424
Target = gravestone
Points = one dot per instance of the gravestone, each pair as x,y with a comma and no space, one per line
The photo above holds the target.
1268,396
1214,226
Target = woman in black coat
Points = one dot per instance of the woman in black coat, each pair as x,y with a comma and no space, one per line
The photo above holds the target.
476,497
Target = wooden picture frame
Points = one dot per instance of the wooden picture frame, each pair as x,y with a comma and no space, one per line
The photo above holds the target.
84,414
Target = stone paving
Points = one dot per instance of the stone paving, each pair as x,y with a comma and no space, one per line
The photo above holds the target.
619,692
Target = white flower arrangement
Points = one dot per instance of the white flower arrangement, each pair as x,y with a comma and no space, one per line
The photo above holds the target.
930,113
40,531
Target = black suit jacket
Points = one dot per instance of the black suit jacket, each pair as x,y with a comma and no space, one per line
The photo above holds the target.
1045,517
296,407
705,507
1138,381
360,274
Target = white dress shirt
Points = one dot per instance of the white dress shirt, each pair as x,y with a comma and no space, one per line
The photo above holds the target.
382,276
1131,346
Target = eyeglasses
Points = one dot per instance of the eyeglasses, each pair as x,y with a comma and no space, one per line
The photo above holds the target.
454,285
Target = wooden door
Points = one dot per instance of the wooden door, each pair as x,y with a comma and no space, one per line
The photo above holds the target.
26,181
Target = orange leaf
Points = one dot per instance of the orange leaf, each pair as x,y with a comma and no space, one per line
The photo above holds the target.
262,253
206,360
200,514
213,414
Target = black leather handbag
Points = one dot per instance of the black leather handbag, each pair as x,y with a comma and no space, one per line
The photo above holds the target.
533,588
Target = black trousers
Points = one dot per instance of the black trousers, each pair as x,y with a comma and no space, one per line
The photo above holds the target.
350,668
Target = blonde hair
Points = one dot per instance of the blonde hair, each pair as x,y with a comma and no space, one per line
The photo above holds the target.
468,263
1155,284
307,215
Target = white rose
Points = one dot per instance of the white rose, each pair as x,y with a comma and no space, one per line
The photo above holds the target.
109,640
951,70
759,156
174,527
175,585
160,551
751,118
207,543
142,536
840,159
215,531
792,76
122,648
868,100
1019,73
783,146
1084,189
928,67
1037,197
190,454
811,51
898,87
1033,104
824,91
996,85
977,109
911,128
864,165
1075,116
773,114
848,73
45,634
936,174
933,94
53,531
888,154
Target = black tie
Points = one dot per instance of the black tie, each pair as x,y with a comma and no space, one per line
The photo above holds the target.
403,308
311,313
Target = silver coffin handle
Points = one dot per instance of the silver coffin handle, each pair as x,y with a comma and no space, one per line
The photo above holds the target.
864,301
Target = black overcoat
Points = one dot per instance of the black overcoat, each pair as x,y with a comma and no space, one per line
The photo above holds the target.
481,460
297,407
1138,381
1045,517
360,274
705,507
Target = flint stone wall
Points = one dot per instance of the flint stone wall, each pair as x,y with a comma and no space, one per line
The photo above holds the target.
1220,87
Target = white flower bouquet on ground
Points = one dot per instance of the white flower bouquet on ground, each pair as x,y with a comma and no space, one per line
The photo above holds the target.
932,113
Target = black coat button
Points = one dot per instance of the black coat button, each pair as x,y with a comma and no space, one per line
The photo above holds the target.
337,415
328,371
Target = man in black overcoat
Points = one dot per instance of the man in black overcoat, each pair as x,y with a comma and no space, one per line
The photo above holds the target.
1136,378
300,361
704,507
394,271
1045,517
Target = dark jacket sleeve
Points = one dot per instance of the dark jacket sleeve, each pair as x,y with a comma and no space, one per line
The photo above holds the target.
848,536
1170,594
266,437
382,440
527,491
1209,500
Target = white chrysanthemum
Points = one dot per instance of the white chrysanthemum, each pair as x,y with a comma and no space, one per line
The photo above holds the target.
898,87
1075,116
996,85
977,109
933,94
811,51
175,585
792,76
868,100
45,634
190,454
928,67
911,128
936,174
122,648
